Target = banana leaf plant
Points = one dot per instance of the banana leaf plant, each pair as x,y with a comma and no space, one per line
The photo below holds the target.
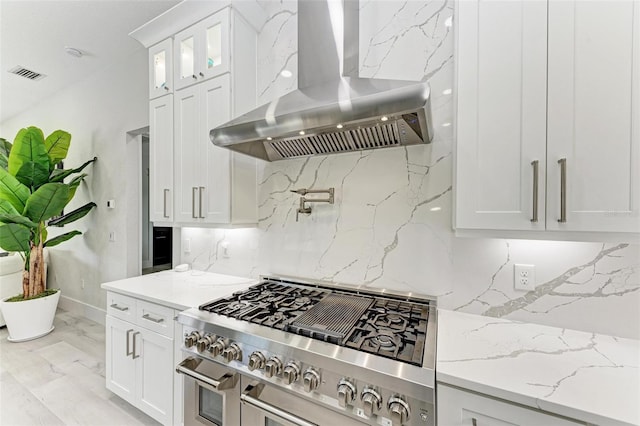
32,192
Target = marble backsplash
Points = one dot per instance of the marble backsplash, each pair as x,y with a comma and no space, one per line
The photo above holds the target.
390,226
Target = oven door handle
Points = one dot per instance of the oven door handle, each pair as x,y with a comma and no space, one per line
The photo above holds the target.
188,368
250,397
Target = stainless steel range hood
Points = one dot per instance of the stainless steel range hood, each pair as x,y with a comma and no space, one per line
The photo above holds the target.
333,110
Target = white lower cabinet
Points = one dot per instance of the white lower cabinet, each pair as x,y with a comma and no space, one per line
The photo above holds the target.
457,407
140,360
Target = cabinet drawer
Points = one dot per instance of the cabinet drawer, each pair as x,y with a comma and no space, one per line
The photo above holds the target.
155,317
120,306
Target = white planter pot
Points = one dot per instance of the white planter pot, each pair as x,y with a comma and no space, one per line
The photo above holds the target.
30,319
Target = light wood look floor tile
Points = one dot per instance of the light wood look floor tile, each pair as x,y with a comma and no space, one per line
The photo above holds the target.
59,379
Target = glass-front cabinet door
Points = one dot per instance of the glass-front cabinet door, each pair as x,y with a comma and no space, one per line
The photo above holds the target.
202,50
161,69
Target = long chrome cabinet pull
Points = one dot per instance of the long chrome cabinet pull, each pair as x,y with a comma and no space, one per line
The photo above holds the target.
250,397
116,306
474,422
563,190
129,334
200,208
150,318
133,352
193,202
188,368
164,208
534,217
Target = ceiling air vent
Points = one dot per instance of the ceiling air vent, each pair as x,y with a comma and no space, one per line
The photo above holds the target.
23,72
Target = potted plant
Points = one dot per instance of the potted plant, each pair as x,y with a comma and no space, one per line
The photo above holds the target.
32,192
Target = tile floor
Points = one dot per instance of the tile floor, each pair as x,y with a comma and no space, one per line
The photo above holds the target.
59,379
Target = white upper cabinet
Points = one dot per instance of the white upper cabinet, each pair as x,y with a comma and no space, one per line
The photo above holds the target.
202,50
161,69
501,113
546,87
161,159
594,116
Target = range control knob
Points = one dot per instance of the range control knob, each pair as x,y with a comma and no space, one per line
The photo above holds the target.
311,379
218,347
205,342
273,367
346,392
371,400
398,410
191,339
232,353
256,360
291,372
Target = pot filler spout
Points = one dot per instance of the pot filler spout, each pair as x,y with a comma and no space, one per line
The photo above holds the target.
333,110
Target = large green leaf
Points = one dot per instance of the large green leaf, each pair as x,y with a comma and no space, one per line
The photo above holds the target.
13,191
7,208
17,218
5,149
28,147
47,201
58,175
57,146
74,184
61,238
33,175
72,216
14,237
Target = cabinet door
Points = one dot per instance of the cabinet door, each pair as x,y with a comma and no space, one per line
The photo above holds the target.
216,196
186,45
501,114
213,59
594,115
161,159
188,154
460,408
154,375
161,69
120,367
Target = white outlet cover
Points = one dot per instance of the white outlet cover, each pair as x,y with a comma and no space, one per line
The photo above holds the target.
524,277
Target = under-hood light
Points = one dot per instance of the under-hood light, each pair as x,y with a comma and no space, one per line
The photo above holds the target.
339,126
269,138
301,132
384,118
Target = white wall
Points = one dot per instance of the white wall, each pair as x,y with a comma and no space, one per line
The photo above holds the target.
391,224
98,112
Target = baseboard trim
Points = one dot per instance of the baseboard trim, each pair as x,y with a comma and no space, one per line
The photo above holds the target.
82,308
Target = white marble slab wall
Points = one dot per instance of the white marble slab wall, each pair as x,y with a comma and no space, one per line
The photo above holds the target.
391,223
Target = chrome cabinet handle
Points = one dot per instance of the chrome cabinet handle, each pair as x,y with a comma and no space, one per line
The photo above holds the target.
115,306
150,318
200,207
193,202
534,217
563,190
166,88
195,77
474,422
250,397
164,208
133,352
188,368
129,334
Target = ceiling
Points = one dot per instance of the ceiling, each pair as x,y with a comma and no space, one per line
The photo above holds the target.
33,34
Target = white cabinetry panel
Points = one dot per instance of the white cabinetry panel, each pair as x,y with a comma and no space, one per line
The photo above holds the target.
161,159
501,113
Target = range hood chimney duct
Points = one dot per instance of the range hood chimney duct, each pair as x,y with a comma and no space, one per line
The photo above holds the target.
333,110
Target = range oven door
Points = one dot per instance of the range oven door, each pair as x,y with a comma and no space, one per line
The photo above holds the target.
211,393
264,405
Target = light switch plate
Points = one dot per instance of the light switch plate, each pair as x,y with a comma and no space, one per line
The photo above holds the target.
524,277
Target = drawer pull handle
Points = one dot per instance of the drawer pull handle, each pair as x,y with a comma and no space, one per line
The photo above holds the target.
188,368
150,318
534,218
563,190
474,422
129,352
121,309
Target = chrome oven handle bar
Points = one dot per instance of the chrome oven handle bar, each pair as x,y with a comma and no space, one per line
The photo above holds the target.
250,397
188,366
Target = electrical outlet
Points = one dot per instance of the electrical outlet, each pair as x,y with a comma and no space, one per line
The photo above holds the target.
112,236
82,283
524,277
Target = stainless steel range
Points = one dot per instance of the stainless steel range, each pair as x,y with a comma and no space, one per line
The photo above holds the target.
292,352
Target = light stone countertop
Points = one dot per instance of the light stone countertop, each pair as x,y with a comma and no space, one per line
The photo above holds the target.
589,377
179,290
